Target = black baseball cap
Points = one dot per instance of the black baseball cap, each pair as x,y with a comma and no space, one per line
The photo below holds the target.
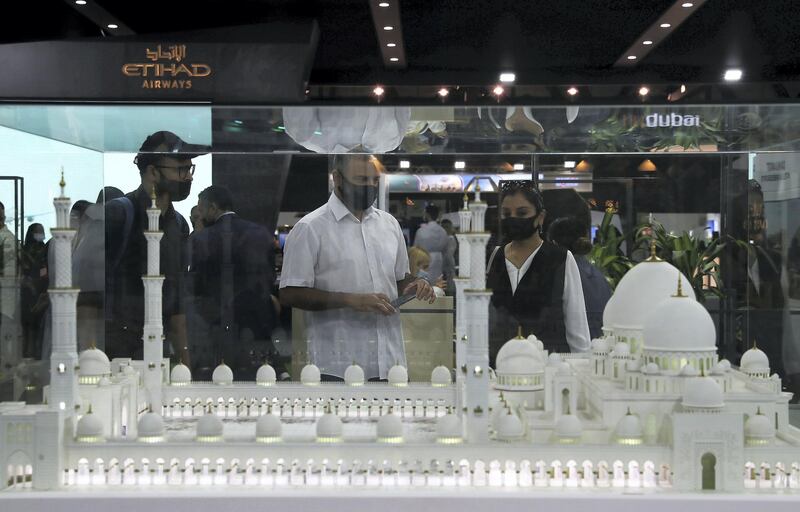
166,143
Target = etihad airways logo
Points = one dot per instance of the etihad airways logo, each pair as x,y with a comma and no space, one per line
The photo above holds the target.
166,69
671,120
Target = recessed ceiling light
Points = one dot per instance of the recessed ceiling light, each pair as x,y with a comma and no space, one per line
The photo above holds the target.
393,59
631,57
405,164
111,25
391,45
378,91
459,164
443,92
733,75
519,167
80,2
647,42
507,78
683,88
687,4
569,164
383,4
498,90
388,27
644,91
665,25
572,91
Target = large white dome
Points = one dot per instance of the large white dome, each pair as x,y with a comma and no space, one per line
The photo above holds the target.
679,324
754,360
180,375
329,428
151,425
310,375
223,375
89,428
758,427
568,426
449,429
209,427
519,356
354,375
390,428
268,428
398,375
629,429
265,376
703,393
643,286
93,362
509,427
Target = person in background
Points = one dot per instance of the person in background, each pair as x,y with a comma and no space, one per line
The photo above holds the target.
33,284
433,238
196,219
572,234
344,263
8,277
449,261
536,285
419,263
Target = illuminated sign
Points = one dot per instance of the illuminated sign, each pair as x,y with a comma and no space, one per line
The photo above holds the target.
671,120
166,69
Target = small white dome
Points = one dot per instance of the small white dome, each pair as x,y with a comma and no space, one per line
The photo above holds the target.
390,428
310,375
89,428
509,427
621,349
719,369
629,428
564,369
702,392
754,360
440,376
180,375
354,375
689,371
448,428
568,426
209,427
679,324
268,426
518,356
651,369
265,376
223,375
725,364
536,341
600,345
758,427
93,362
329,428
553,359
151,425
398,375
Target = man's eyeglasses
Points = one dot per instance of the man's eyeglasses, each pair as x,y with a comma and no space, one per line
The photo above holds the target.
183,171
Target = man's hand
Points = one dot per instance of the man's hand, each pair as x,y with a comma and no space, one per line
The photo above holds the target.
423,289
371,303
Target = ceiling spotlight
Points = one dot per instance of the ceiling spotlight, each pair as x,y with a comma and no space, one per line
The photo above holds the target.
733,75
644,91
405,164
498,90
460,164
572,91
388,27
687,4
443,92
569,164
80,2
519,167
393,59
631,57
391,45
683,88
112,25
378,91
508,78
647,42
383,4
665,25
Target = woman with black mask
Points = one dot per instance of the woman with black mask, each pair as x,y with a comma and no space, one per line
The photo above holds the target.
536,285
33,293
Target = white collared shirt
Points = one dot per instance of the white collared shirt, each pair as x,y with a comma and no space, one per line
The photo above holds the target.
330,249
575,322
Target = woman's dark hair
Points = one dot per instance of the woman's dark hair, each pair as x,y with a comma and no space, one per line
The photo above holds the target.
33,228
571,234
525,187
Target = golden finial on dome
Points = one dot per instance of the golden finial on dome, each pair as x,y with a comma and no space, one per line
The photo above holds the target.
653,256
466,200
93,345
519,333
629,412
477,186
62,183
679,293
89,410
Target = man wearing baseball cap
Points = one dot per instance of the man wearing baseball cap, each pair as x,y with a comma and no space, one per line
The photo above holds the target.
165,164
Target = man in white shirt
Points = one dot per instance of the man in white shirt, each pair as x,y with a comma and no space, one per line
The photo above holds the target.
433,238
344,263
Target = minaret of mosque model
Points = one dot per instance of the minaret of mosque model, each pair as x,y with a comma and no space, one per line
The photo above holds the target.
63,298
475,356
462,283
153,332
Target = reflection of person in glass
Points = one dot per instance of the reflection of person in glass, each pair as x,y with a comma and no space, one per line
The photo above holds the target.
164,162
535,284
344,263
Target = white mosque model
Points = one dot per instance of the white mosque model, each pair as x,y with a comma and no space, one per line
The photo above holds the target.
650,407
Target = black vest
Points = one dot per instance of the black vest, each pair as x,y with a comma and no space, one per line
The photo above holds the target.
537,305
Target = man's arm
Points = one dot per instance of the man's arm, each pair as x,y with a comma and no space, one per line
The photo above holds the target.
418,285
312,299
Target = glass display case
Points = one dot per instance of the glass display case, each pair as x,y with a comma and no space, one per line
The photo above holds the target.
337,296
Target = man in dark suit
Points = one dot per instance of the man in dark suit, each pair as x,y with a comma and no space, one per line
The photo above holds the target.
233,277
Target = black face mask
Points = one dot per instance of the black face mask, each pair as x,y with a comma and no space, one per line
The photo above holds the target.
176,190
516,228
357,197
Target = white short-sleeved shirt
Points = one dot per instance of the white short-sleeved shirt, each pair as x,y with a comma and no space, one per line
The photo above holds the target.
330,249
